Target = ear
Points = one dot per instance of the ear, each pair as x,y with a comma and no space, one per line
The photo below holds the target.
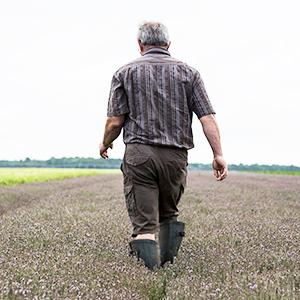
168,45
141,46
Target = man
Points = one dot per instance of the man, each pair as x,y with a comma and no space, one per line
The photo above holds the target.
153,99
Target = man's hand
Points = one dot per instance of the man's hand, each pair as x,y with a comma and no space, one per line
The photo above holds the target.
112,130
103,150
220,168
211,131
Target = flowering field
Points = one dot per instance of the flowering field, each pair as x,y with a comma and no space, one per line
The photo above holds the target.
11,176
68,240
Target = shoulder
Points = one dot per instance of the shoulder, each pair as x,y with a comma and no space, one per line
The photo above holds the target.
183,65
194,74
125,68
193,71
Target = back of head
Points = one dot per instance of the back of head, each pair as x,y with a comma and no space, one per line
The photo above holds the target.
153,34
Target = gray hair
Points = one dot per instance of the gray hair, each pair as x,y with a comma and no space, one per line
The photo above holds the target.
153,34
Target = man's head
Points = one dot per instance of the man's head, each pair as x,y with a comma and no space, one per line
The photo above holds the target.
152,34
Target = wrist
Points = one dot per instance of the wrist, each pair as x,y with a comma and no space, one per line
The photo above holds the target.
105,145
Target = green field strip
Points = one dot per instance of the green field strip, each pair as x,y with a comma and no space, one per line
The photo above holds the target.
295,173
13,176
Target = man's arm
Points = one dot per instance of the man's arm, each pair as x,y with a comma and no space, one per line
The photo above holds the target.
113,129
211,131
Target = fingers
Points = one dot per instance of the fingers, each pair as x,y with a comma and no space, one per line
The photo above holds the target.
223,175
220,168
220,174
216,174
104,154
103,150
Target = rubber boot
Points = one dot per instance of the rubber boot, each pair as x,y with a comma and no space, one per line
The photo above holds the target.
147,250
170,237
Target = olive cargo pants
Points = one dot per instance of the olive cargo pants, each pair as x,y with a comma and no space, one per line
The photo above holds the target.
154,180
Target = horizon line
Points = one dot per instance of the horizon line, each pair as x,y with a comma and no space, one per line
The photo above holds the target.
89,157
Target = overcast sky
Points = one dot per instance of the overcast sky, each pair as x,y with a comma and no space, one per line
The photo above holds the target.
57,59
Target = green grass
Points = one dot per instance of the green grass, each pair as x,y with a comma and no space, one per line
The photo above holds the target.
295,173
12,176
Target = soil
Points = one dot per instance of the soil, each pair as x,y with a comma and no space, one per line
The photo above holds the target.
69,240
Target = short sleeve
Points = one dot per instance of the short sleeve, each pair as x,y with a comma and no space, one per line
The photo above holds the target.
117,103
201,105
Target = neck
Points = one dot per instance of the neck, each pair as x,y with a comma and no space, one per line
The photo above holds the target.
147,48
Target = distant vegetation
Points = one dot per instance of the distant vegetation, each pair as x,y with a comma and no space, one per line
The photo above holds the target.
254,168
64,162
92,163
278,172
12,176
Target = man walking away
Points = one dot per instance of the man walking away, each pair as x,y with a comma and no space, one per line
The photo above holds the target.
153,99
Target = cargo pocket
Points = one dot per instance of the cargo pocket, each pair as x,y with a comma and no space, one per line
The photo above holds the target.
181,191
130,199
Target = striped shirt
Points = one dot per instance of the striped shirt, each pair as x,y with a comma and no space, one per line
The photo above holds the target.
158,95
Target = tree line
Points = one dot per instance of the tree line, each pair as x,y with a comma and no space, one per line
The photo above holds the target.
89,162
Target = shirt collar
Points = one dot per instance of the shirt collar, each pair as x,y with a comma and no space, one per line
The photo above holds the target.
157,50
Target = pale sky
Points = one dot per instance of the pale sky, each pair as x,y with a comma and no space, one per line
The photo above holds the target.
57,58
